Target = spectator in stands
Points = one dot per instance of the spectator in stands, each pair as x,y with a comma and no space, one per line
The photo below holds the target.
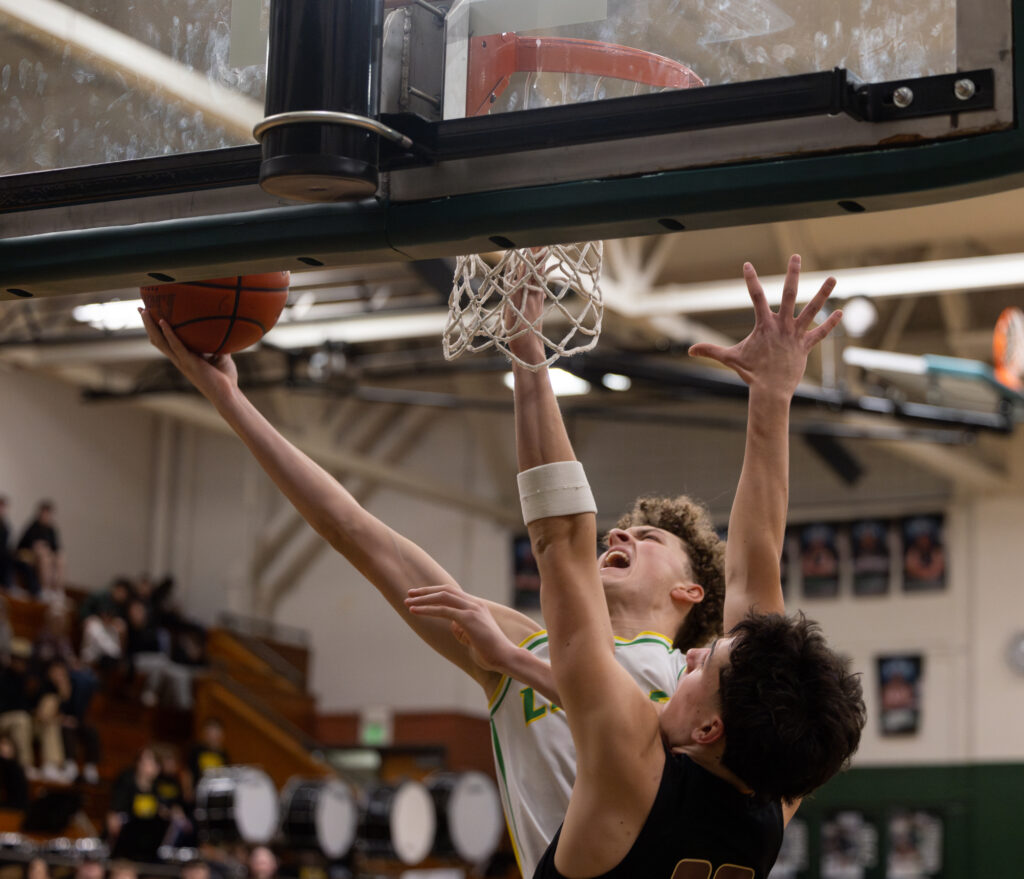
170,789
90,867
103,636
37,868
39,547
115,597
15,707
76,733
207,753
122,870
196,869
24,711
13,781
136,822
14,573
149,654
262,863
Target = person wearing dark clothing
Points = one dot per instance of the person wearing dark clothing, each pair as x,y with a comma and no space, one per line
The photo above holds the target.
40,547
137,821
13,781
207,753
76,732
149,656
13,571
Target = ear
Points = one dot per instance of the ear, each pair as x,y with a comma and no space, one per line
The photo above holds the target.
711,731
690,593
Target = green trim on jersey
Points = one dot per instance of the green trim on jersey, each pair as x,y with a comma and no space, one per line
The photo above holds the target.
510,821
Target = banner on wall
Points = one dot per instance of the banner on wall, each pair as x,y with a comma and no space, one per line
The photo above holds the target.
915,844
924,554
849,845
819,560
899,689
869,547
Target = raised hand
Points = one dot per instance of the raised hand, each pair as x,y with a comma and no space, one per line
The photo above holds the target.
212,376
523,310
774,355
471,621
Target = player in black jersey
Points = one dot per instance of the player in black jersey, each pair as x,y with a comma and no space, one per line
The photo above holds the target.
762,717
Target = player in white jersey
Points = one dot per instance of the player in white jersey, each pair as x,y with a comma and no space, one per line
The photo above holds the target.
533,748
662,573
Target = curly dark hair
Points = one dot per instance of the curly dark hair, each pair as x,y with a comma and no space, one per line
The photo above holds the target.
792,710
690,522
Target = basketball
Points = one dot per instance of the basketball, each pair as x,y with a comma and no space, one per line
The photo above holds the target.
223,315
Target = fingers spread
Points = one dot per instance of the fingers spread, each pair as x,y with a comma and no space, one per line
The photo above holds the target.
756,291
790,286
820,332
712,352
811,309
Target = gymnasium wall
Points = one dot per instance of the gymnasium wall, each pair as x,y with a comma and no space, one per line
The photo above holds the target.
95,462
136,491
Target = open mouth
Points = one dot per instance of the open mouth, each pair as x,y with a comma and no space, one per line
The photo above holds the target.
615,558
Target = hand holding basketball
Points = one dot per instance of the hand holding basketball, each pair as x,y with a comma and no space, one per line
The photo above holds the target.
211,377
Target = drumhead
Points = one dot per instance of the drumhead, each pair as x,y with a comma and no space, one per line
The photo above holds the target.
475,820
413,822
336,819
256,806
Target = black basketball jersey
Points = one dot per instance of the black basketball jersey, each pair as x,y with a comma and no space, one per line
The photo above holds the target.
699,827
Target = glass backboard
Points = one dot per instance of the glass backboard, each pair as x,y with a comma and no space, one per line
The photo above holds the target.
128,149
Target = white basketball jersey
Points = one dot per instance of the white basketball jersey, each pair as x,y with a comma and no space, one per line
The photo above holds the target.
533,748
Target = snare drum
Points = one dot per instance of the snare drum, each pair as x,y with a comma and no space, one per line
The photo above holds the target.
236,804
469,817
319,815
399,823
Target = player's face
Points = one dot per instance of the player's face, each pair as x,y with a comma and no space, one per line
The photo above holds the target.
695,702
645,556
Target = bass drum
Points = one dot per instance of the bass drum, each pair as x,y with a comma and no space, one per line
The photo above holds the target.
236,804
319,815
469,817
399,823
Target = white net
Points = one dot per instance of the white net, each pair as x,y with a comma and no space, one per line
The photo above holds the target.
569,275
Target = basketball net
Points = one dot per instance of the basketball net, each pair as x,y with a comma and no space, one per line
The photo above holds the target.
568,275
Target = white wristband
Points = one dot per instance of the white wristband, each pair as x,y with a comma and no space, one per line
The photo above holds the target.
558,489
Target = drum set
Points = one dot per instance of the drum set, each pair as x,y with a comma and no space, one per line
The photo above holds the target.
449,815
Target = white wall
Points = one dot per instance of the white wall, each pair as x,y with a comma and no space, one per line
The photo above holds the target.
95,461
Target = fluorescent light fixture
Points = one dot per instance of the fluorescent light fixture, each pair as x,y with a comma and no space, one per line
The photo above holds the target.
885,361
615,382
874,282
563,383
859,316
375,328
117,314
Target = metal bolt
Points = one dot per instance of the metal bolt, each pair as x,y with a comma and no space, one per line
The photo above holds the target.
903,97
964,89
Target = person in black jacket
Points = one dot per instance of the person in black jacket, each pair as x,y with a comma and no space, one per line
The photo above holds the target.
40,548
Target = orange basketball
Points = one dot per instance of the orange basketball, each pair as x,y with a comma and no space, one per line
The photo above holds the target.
223,315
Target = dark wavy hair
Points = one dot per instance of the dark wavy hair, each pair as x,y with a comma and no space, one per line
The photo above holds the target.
690,522
792,711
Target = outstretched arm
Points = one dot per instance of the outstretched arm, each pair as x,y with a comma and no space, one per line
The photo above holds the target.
387,559
771,360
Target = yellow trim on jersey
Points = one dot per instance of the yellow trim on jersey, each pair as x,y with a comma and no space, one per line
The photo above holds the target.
646,636
540,633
